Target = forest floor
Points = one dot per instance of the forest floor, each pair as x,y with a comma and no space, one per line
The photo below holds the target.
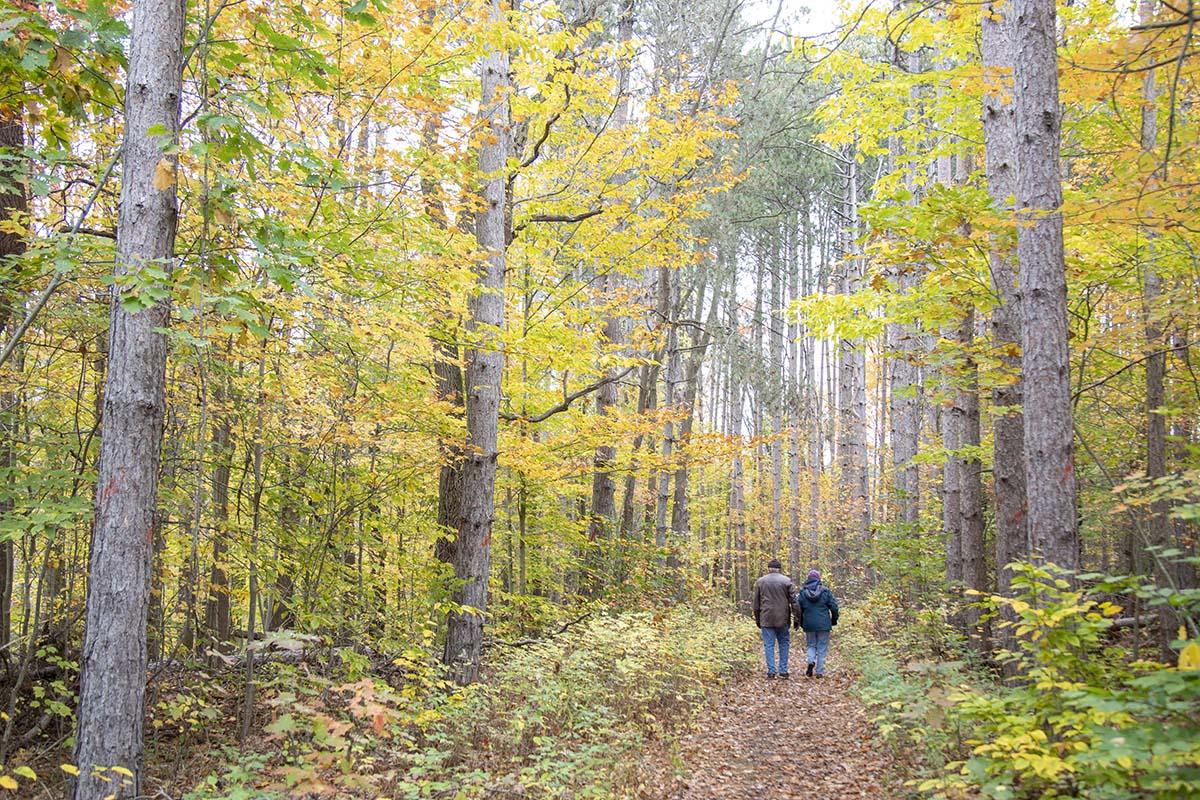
796,738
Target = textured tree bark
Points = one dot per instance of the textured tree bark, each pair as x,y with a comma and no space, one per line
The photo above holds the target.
13,206
604,489
1008,425
680,513
737,489
646,381
852,395
1159,524
484,368
970,479
906,390
951,495
670,289
216,610
448,376
795,449
113,657
1045,357
774,396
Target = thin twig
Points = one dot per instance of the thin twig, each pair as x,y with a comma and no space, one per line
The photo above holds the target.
58,278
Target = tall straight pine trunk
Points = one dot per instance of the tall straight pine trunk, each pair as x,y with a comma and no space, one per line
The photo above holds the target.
13,206
1159,527
1008,424
484,367
113,659
604,488
1045,358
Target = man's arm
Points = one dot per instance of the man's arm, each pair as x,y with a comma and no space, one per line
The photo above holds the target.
757,605
833,610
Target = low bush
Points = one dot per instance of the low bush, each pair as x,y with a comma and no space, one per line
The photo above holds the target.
1082,719
567,717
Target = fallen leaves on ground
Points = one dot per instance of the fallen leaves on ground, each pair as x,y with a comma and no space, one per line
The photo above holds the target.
796,738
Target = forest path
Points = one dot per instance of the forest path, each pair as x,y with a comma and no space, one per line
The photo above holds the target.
796,738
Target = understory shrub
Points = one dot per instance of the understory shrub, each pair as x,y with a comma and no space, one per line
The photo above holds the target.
563,717
1082,719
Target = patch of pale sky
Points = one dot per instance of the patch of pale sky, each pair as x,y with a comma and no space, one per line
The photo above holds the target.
797,17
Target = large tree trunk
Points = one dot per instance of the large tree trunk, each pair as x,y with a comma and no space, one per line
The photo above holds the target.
447,372
1045,358
852,397
604,489
1159,523
1008,426
485,365
113,657
13,206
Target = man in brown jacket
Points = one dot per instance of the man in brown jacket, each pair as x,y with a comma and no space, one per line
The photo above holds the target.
773,595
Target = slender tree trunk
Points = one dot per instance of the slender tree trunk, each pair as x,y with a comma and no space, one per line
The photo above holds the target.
680,515
485,365
217,615
648,377
775,395
670,287
113,657
1045,357
795,451
970,478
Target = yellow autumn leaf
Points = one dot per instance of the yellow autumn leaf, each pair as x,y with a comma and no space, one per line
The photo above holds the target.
122,771
7,782
70,769
164,174
1189,657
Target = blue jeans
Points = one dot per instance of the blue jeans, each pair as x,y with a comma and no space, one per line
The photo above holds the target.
770,636
818,648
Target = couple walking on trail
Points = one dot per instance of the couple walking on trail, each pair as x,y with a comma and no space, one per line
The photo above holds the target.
777,603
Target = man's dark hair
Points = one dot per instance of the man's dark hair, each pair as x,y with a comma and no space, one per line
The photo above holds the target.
774,564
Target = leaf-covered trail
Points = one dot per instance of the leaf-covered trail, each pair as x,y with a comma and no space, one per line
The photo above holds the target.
796,738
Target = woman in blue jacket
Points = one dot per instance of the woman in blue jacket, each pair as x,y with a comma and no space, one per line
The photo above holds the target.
818,614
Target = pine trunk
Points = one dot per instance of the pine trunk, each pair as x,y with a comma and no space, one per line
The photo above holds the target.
1045,357
484,367
113,657
13,205
1008,425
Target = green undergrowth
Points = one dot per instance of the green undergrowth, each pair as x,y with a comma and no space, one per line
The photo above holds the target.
1082,719
567,717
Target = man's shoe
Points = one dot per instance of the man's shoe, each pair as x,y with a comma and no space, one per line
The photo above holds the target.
809,672
770,675
783,675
